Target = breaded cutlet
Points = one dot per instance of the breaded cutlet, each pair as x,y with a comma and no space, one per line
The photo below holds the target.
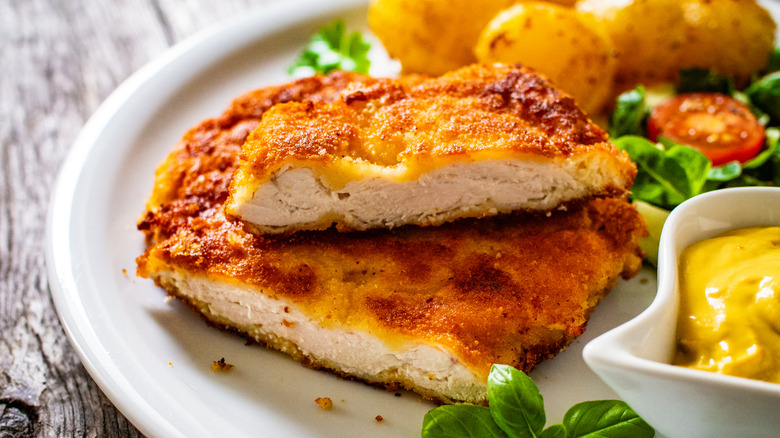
479,141
423,308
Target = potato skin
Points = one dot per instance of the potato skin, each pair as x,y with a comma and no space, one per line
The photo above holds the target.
733,37
654,39
431,36
647,36
557,41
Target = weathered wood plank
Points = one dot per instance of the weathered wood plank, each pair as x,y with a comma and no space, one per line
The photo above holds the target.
59,60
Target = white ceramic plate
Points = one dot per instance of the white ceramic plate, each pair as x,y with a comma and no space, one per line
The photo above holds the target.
153,357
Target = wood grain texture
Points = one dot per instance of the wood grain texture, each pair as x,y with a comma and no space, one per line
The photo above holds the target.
59,60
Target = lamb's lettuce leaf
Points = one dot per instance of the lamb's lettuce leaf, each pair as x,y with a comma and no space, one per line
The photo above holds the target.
665,176
697,80
765,95
630,114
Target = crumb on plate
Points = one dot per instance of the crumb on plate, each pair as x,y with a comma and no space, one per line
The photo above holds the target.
325,403
221,365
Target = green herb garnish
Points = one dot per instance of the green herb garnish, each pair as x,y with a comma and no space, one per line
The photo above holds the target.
694,80
774,61
765,94
666,176
517,411
332,48
630,114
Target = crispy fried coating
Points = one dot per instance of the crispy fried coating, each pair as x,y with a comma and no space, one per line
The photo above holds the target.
196,174
384,137
513,289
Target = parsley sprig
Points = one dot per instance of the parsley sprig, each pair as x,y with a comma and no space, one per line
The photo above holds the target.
332,48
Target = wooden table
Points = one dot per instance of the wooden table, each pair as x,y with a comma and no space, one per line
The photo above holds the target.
58,60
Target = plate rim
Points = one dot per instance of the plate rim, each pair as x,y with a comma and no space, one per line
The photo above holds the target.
238,31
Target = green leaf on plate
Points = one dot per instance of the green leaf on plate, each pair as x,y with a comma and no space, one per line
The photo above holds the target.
704,80
554,431
629,115
605,418
666,176
460,421
515,402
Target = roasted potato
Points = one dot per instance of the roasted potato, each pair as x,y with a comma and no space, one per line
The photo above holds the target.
556,41
647,36
733,37
431,36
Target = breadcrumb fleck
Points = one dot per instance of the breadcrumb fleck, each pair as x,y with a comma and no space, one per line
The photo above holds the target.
221,365
379,418
325,403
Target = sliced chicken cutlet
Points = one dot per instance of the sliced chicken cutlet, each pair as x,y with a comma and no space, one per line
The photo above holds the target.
196,174
429,309
423,308
476,142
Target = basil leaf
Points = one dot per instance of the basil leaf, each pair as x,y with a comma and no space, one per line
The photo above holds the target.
554,431
515,402
765,95
605,418
460,421
704,80
629,115
665,177
332,49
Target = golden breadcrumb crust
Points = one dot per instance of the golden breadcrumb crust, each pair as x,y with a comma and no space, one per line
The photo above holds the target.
196,174
514,289
476,112
511,289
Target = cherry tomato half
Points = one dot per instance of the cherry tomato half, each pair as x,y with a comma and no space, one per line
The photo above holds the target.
716,125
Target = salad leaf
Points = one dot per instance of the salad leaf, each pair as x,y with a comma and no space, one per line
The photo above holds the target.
765,95
332,48
726,172
704,80
764,169
629,115
517,410
665,176
669,173
772,141
774,61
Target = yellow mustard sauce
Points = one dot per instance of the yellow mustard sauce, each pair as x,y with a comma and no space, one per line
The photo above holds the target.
729,318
